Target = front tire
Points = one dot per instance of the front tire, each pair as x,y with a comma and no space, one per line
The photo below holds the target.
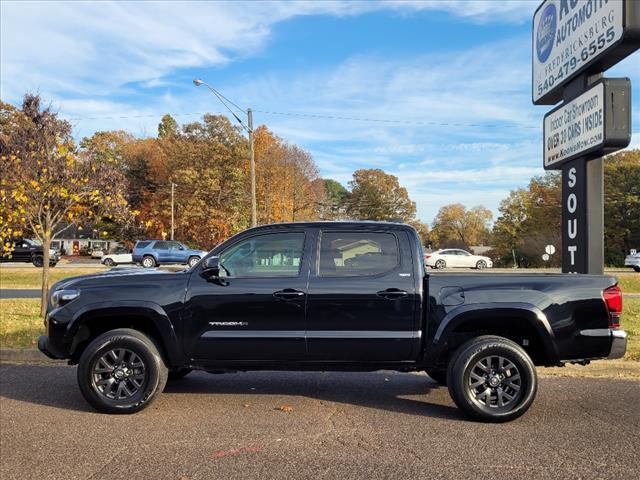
148,262
492,379
121,371
481,265
109,262
637,269
38,261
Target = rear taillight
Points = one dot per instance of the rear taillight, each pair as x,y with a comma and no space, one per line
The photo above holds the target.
613,300
427,257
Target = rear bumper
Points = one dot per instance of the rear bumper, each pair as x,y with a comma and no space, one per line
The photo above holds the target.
618,340
618,344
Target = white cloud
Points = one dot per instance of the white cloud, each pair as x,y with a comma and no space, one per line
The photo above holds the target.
93,48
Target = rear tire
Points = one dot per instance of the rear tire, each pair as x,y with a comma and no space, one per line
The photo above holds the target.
148,261
121,371
492,379
637,269
192,261
440,264
438,375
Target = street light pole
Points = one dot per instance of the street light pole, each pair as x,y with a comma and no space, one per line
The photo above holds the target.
249,129
252,171
172,207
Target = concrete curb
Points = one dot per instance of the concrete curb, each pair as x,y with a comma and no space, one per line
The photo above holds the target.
26,355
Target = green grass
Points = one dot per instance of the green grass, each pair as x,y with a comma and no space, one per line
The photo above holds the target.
20,322
631,323
629,282
32,278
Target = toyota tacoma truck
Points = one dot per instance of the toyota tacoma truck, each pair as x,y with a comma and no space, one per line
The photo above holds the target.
329,296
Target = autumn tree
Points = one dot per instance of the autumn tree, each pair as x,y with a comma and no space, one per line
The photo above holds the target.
377,195
336,204
287,180
12,218
529,221
57,187
455,226
621,205
508,230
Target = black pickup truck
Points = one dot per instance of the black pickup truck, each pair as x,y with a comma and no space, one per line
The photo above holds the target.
28,251
329,296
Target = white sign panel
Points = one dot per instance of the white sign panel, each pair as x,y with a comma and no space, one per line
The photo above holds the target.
568,35
575,128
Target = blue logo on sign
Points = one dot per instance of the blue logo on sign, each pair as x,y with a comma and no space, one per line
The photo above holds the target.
546,33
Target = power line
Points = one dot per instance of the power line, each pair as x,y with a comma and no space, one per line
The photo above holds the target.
320,116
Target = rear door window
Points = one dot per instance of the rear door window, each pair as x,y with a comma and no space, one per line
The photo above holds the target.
345,254
142,244
161,246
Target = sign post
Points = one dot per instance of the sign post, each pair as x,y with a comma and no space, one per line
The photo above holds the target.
574,42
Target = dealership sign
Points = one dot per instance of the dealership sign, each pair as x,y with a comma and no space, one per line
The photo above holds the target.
576,36
597,121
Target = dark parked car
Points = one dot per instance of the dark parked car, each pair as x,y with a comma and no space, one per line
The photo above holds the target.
151,253
29,251
329,296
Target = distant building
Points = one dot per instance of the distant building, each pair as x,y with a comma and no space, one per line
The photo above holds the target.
83,240
480,249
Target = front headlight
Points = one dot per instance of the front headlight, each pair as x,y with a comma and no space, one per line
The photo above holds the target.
62,297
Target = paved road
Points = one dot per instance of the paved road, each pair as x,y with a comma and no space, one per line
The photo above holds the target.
19,293
342,425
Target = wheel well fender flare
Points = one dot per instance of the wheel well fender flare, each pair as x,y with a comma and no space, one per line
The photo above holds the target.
149,311
517,312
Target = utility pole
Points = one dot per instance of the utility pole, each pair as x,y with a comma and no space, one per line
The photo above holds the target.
249,128
252,171
172,207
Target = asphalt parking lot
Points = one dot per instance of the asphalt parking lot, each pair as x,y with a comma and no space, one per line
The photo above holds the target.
313,425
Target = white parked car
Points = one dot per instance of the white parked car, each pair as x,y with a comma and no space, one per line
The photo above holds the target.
456,258
633,261
122,255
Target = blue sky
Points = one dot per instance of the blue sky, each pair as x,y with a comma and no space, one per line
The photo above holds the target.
449,82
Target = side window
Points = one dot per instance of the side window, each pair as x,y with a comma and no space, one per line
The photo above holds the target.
142,244
357,254
270,255
161,246
174,245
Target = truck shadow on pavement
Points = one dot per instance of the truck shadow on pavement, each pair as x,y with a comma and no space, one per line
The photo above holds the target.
55,386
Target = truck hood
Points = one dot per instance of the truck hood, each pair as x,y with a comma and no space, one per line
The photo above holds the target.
115,275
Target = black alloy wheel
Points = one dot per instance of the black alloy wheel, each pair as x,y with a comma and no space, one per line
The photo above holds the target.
492,379
121,371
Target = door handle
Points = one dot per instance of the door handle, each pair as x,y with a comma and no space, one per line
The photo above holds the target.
288,294
392,293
